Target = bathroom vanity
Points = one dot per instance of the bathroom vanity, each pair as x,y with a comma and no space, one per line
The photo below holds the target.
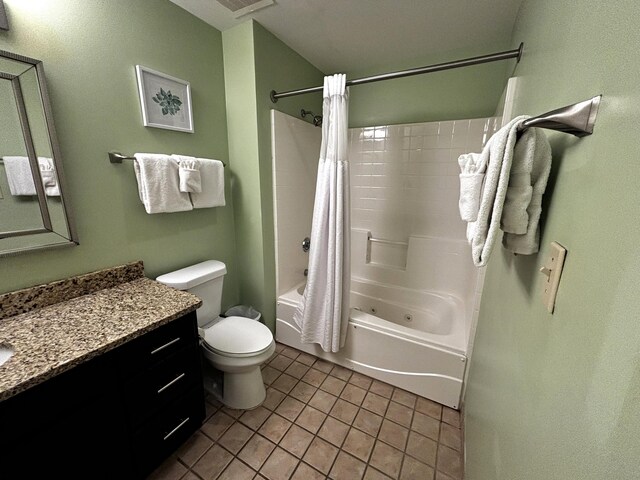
105,385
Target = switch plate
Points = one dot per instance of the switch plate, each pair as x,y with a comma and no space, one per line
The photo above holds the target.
552,270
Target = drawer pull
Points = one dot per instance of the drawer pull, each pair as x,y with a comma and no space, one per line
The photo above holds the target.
165,345
176,429
171,382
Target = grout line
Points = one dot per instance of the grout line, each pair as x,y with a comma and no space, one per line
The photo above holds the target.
327,416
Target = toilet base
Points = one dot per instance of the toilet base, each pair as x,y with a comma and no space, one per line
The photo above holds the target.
242,386
243,390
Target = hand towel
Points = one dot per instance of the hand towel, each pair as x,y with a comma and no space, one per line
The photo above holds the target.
532,158
212,176
19,176
471,178
49,177
499,154
158,184
189,173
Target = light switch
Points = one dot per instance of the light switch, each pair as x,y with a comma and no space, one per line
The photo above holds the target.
552,271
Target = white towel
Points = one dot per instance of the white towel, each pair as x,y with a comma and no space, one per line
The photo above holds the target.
471,177
20,178
158,184
514,214
212,177
49,178
189,173
521,215
499,149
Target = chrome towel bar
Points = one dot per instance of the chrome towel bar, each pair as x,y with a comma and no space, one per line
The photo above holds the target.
577,119
117,157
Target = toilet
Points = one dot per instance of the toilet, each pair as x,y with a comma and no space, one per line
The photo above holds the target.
236,346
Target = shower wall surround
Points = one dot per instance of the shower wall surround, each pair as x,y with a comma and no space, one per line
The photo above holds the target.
404,189
295,148
404,178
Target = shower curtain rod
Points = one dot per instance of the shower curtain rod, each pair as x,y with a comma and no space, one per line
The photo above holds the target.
467,62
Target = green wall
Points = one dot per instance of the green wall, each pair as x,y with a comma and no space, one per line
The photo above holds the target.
556,396
255,63
89,51
469,92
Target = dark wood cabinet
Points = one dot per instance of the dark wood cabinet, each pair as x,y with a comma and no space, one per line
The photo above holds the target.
116,416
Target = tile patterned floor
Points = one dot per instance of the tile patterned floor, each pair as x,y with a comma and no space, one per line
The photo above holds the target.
320,421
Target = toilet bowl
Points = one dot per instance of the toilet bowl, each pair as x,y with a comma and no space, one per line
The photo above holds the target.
236,346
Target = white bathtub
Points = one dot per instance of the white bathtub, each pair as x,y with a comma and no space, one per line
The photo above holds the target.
412,339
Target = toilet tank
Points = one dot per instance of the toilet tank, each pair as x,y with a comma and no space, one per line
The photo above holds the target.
205,280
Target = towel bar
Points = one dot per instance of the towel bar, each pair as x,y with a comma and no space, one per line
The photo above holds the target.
577,119
117,157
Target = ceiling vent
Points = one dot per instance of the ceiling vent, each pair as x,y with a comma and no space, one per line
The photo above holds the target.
244,7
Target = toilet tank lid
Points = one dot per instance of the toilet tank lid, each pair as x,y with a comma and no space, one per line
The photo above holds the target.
189,277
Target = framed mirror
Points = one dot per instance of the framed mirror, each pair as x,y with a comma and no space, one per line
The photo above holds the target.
34,213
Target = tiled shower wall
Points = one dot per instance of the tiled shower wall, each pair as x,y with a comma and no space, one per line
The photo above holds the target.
404,183
405,188
404,178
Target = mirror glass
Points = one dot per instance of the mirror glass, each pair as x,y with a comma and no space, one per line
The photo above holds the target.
33,211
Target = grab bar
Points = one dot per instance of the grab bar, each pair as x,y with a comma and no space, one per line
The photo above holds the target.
387,242
371,240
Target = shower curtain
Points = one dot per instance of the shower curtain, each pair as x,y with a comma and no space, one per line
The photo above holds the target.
323,313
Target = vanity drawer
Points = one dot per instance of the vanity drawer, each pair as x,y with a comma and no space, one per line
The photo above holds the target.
166,431
162,383
138,355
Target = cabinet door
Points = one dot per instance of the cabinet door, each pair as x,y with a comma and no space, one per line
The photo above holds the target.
69,427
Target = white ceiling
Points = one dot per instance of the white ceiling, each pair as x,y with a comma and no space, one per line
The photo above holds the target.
354,35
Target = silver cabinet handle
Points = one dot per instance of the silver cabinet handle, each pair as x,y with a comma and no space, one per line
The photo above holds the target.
171,383
165,345
176,429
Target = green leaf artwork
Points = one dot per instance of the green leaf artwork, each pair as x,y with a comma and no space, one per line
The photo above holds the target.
168,102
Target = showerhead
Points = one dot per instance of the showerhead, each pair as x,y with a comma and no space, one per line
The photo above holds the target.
316,119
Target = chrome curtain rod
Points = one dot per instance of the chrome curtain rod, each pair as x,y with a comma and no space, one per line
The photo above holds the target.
467,62
117,157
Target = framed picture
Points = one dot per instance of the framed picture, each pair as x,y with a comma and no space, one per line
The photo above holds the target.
165,100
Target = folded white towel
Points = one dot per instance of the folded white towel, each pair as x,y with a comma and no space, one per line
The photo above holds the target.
499,149
514,214
472,163
20,178
158,184
49,178
212,176
532,159
189,173
470,190
471,177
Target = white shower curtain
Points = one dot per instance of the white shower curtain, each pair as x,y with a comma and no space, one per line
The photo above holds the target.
323,313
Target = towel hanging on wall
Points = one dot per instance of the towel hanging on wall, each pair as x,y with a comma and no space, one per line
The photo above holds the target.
516,177
158,184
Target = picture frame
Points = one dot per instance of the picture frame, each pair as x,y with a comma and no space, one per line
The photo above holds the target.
165,101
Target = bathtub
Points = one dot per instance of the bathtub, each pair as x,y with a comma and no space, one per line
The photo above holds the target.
412,339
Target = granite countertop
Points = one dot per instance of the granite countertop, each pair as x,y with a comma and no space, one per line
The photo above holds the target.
53,339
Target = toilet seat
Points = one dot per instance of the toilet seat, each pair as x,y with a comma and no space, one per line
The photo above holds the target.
237,337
